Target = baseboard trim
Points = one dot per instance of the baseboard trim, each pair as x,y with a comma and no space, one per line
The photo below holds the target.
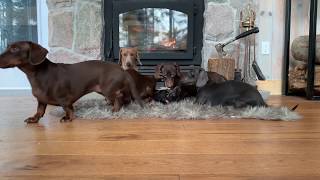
273,86
15,92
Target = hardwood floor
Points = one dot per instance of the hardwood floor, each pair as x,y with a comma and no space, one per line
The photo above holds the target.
156,149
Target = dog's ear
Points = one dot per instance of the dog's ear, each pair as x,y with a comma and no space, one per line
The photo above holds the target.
202,79
178,70
158,71
120,57
37,54
138,56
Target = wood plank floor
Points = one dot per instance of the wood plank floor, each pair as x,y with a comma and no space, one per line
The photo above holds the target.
156,149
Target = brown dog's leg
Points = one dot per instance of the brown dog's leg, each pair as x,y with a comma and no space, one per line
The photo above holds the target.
41,109
118,101
69,114
117,105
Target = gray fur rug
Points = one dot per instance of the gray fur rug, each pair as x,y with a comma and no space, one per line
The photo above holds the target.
97,108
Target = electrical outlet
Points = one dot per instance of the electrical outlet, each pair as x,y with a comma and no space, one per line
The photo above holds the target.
265,47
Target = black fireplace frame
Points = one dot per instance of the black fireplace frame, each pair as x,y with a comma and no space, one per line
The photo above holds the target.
194,9
310,92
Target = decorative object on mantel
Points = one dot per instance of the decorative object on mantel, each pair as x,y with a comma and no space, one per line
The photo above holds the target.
97,108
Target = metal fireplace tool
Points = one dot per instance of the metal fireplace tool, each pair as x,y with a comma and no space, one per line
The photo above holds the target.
247,19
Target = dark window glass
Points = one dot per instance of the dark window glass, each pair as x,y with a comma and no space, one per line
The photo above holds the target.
18,21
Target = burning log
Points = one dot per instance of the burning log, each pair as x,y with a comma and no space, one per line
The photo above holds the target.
169,43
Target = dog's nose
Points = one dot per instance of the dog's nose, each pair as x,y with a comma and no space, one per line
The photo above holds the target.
169,84
128,64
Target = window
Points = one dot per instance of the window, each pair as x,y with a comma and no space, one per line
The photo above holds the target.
18,21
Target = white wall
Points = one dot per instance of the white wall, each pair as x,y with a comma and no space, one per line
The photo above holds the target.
14,79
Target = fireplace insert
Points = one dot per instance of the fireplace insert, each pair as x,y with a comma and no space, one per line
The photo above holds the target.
163,30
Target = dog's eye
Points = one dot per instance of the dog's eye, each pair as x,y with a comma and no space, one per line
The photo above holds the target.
14,49
131,54
125,54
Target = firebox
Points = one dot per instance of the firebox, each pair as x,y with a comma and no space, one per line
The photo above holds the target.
163,30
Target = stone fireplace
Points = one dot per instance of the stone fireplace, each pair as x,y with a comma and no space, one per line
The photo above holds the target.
77,29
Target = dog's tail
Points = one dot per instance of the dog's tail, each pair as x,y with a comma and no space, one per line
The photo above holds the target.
133,89
264,104
292,109
295,107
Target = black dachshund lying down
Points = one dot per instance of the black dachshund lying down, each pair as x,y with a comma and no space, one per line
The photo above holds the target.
211,89
230,93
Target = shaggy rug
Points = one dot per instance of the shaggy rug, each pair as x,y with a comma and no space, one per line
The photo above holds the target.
97,108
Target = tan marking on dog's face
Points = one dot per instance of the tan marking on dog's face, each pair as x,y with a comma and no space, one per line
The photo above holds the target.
129,58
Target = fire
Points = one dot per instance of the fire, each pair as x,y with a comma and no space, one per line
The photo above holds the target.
171,42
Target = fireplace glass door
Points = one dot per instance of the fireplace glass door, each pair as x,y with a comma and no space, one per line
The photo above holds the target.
162,30
154,30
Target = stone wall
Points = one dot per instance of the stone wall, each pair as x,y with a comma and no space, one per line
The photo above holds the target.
75,30
222,19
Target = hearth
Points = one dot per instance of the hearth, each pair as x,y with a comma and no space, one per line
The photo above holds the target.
163,30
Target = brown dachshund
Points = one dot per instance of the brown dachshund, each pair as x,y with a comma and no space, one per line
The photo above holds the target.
169,73
129,58
63,84
145,84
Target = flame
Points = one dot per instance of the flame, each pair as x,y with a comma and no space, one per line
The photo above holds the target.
171,42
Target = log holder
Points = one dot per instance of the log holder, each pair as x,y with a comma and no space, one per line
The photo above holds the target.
310,92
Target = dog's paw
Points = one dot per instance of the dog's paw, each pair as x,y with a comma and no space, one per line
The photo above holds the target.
31,120
65,119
